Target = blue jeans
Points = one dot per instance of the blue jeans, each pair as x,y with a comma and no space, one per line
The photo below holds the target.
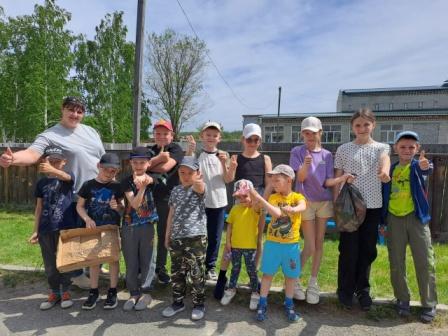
215,225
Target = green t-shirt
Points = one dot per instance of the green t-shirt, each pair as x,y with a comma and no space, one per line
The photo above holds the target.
401,203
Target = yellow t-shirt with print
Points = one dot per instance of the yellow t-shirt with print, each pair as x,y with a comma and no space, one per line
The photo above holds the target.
285,229
244,221
401,203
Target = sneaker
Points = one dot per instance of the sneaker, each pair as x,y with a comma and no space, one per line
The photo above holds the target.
261,313
403,308
312,294
66,300
428,315
198,312
364,299
176,307
111,300
130,303
211,275
143,302
51,301
228,296
299,292
254,299
81,281
91,301
291,314
163,277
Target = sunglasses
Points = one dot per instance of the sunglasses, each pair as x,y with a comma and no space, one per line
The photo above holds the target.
252,140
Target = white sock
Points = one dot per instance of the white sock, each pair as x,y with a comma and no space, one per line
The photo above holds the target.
313,281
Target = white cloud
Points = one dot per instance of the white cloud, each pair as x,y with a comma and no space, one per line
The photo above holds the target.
311,48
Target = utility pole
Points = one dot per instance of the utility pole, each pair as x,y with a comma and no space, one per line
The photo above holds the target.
138,68
278,112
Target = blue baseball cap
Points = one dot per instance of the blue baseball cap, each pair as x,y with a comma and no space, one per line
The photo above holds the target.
407,134
190,162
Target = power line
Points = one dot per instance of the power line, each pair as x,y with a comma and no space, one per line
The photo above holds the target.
217,69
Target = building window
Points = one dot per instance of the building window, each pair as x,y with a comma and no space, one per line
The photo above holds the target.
295,134
389,132
273,134
405,106
391,106
420,104
376,107
331,133
363,105
436,103
350,107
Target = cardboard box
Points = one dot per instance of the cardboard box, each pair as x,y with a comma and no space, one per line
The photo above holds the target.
83,247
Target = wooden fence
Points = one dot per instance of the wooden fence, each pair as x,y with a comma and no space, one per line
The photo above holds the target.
17,183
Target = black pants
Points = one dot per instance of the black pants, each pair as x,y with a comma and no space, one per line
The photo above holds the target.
357,251
162,211
215,225
49,245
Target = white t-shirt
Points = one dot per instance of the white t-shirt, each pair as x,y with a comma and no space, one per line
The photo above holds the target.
363,160
82,147
212,173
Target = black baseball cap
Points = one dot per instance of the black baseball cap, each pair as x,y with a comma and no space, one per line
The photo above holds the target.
110,160
54,152
142,152
74,101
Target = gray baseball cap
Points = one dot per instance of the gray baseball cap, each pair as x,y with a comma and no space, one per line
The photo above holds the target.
283,169
190,162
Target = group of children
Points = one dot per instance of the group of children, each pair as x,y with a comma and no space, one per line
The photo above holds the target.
196,212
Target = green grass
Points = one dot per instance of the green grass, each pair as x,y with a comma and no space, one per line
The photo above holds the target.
16,226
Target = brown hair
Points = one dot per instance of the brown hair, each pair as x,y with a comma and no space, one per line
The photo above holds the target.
364,113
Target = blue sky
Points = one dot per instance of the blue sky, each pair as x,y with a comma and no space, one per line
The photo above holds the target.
312,48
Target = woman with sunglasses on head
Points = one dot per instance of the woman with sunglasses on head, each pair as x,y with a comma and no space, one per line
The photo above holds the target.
252,166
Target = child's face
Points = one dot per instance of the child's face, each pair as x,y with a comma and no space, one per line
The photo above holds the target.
107,174
244,200
311,138
162,136
281,183
362,128
140,165
251,143
406,149
210,137
186,175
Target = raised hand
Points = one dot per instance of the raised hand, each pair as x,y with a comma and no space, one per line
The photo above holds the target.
308,160
6,158
163,156
191,144
233,162
45,167
222,156
423,162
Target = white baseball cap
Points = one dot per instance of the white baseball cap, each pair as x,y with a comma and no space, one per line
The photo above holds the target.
211,124
251,129
312,124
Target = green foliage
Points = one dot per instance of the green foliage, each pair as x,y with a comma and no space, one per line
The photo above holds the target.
41,62
177,65
35,62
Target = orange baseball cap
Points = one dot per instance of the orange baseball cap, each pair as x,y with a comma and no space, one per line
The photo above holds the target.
164,123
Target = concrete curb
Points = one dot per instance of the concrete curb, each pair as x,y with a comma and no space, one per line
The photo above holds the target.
325,295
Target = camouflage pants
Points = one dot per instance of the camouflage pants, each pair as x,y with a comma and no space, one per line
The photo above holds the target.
188,256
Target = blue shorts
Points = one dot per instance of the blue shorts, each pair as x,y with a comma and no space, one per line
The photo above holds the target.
285,255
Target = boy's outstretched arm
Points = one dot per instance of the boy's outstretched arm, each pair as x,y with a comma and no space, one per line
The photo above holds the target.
271,209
